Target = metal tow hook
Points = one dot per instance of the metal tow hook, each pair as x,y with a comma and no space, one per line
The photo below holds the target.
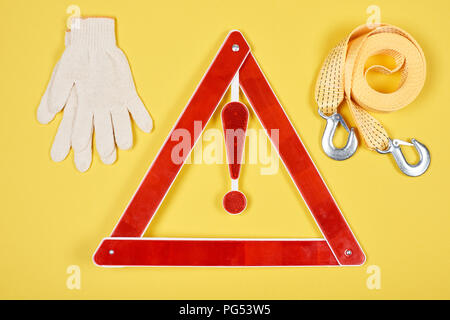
409,169
327,139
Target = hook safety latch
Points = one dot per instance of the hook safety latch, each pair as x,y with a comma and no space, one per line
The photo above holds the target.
327,139
411,170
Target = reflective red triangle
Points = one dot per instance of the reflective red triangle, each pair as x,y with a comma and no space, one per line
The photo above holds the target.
126,247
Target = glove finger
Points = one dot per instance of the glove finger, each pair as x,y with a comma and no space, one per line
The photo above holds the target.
44,115
62,142
82,129
83,158
140,114
104,135
110,159
122,128
62,84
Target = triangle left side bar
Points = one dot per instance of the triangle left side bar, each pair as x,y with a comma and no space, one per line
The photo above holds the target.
200,108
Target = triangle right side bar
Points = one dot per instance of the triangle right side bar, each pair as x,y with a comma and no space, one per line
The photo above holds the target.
299,164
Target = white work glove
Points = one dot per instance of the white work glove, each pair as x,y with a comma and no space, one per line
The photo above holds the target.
94,83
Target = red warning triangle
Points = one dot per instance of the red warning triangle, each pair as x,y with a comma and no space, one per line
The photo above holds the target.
127,247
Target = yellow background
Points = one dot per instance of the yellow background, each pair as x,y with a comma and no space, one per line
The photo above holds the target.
53,216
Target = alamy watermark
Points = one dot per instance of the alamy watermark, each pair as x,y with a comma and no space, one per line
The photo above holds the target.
73,281
210,148
374,19
373,281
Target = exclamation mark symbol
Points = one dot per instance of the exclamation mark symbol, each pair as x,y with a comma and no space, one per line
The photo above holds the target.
234,121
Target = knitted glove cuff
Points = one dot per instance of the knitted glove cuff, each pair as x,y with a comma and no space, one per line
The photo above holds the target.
93,32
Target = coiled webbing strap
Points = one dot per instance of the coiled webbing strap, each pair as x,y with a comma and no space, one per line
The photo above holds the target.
343,75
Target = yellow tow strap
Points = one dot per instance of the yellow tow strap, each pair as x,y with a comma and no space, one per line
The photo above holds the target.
343,75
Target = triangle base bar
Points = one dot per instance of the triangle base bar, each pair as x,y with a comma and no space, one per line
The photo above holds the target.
214,252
